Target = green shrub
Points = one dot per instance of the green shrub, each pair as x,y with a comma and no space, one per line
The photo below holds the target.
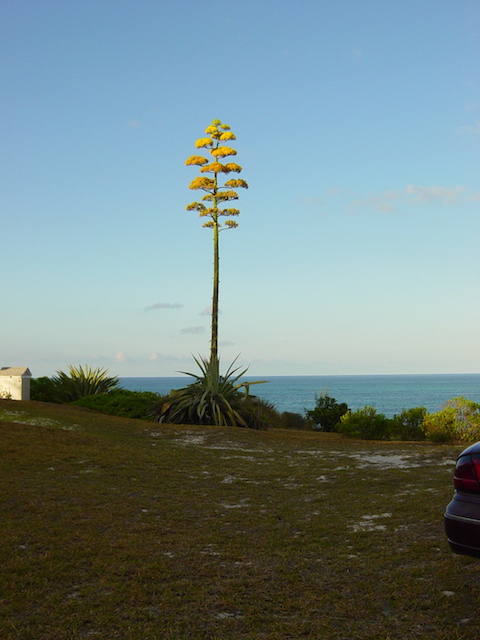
289,420
260,414
365,423
459,420
121,402
409,425
327,413
440,426
43,389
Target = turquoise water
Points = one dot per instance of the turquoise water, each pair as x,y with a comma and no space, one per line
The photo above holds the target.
389,394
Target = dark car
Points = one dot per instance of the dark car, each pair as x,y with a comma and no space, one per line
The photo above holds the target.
462,515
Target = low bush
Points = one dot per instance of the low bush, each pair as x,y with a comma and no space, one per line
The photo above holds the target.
365,423
120,402
459,419
409,425
43,389
440,426
291,420
260,414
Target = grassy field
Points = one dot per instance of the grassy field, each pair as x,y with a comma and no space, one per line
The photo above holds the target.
114,528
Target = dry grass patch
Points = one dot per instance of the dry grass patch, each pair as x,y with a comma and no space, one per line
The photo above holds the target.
116,528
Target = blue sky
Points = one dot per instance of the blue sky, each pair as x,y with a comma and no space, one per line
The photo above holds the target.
358,129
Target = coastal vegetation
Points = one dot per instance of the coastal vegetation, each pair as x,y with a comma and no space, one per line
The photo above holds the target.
128,529
213,399
457,421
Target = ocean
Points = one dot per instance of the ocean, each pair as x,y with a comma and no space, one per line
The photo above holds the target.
389,394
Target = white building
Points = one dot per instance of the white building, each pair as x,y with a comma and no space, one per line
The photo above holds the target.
15,383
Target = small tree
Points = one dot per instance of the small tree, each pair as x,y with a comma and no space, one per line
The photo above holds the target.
216,194
327,413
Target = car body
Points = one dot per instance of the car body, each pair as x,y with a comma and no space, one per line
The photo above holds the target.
462,515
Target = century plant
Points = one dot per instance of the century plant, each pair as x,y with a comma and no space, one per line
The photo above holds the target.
221,400
214,398
216,195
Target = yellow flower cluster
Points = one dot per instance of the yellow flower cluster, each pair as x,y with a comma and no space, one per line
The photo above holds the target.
196,160
231,195
215,193
227,195
203,142
218,123
223,151
207,212
215,167
195,206
236,183
231,166
202,183
217,129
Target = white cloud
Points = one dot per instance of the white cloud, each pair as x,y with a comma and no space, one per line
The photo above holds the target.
193,330
314,202
388,201
475,129
120,357
430,194
164,305
384,202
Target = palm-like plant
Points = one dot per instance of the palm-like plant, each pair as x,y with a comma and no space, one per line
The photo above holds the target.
82,381
213,399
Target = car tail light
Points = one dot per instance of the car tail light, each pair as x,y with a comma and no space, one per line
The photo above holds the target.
467,473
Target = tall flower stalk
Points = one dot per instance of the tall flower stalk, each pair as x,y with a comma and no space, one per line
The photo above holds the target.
216,196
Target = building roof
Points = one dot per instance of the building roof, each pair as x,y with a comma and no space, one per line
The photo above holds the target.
15,371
